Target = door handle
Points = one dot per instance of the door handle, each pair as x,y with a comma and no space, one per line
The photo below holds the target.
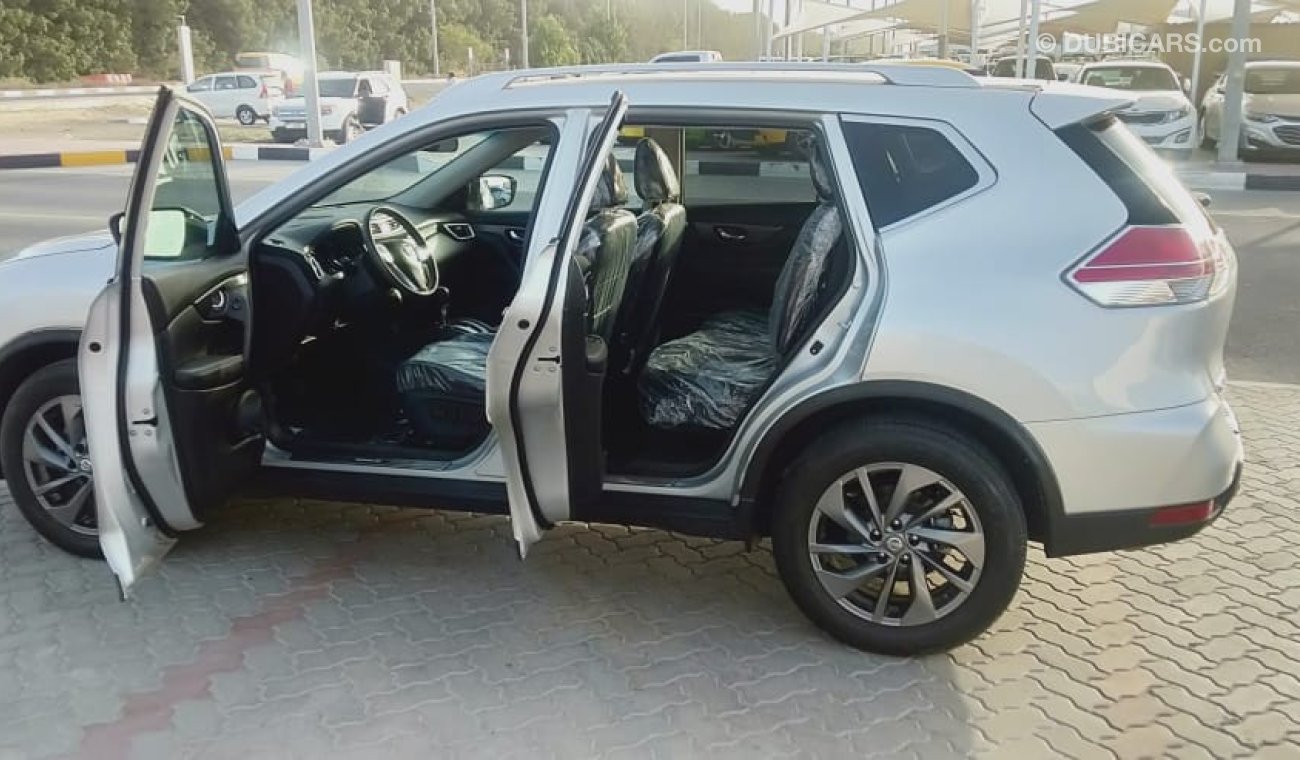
730,234
515,235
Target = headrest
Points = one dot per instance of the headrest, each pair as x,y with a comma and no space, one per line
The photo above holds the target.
656,182
611,188
822,179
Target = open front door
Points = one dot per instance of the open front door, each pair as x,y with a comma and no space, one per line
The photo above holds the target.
544,375
162,355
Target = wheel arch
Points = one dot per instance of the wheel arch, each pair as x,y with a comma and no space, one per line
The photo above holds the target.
1013,446
27,354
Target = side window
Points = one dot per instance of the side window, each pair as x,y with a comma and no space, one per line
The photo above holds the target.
378,86
187,199
737,165
365,90
225,83
200,85
904,169
246,82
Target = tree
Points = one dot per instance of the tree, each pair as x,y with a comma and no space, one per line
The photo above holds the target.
551,44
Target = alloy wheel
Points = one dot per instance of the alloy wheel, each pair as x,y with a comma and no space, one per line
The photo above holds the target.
56,461
896,544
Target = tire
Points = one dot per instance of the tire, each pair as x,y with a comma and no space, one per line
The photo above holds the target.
1207,142
43,388
246,116
885,446
351,130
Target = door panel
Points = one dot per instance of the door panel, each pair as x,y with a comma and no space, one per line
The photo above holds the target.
162,353
539,364
731,258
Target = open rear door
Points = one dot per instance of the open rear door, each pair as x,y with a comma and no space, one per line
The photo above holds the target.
539,366
162,354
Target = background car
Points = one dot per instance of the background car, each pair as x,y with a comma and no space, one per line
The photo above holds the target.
289,67
1270,110
1162,114
688,56
1006,67
350,102
246,96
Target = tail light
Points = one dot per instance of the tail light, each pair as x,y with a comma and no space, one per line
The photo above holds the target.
263,93
1153,266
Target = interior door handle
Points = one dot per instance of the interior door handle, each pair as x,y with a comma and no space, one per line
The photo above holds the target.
515,235
730,234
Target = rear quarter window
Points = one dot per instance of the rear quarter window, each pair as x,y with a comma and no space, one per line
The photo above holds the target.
906,169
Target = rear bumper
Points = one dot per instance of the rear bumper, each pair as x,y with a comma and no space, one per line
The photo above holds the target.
1138,479
1130,529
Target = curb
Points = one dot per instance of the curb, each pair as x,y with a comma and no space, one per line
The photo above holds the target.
111,157
1194,179
77,92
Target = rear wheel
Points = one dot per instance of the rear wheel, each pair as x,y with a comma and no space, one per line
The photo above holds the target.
246,116
1207,142
351,130
46,460
899,536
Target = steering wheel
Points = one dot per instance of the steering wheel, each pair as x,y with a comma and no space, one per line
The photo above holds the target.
400,253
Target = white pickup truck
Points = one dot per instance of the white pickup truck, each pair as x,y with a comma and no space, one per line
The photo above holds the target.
350,102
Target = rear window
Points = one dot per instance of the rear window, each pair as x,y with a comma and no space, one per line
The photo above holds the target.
1280,81
247,83
1146,185
1136,78
904,169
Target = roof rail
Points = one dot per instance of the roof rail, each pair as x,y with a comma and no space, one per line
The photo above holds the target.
891,73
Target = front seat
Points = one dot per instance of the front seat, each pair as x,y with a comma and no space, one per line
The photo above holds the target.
443,386
660,227
706,380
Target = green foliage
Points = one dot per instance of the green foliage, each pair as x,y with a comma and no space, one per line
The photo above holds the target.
55,40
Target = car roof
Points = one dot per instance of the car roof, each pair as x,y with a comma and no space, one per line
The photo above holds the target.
1273,64
1127,63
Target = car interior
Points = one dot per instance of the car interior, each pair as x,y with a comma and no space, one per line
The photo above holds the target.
375,307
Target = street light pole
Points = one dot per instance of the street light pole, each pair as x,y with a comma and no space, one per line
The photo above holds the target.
310,85
433,27
1234,83
523,32
686,26
1032,43
1196,73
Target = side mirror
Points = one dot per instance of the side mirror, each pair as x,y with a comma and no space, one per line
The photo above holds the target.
492,191
446,146
168,232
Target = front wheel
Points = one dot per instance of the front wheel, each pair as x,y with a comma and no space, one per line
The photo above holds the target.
46,460
899,536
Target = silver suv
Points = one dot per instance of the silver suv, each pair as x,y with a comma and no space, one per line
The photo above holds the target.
975,315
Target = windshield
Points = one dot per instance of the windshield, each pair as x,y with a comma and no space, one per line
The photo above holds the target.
1281,81
338,87
402,173
1007,68
1137,78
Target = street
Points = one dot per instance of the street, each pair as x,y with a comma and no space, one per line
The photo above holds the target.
1263,226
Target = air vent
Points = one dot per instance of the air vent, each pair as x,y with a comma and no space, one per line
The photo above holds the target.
383,225
458,231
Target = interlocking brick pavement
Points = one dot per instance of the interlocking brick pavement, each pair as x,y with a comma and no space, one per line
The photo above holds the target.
342,630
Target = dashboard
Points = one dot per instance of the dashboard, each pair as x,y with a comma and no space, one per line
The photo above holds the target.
313,274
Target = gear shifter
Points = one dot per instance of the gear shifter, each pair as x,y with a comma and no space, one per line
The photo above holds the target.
442,297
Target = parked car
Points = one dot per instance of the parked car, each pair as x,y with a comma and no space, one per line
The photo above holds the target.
459,310
688,56
350,102
289,67
1162,114
1270,110
248,96
1006,67
1066,71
